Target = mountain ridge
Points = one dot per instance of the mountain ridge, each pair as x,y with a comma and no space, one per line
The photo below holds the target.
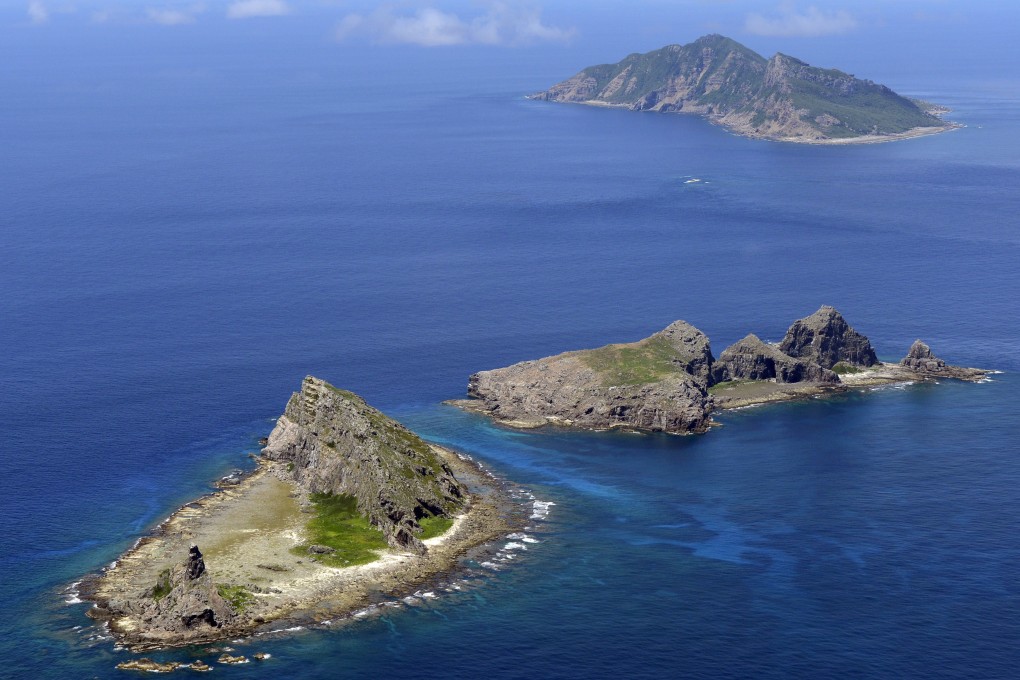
781,98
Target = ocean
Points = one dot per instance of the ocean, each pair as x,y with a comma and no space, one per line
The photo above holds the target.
182,245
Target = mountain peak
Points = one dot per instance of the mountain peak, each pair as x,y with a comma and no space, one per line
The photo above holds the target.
782,98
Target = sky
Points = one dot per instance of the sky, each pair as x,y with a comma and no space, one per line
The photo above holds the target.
890,39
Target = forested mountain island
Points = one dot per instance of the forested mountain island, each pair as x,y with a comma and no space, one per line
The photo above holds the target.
781,98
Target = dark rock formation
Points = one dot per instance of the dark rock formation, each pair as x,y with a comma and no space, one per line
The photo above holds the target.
185,598
338,444
661,383
777,98
657,384
753,359
920,359
826,339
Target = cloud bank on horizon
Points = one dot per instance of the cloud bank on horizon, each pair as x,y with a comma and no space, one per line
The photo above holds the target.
811,23
503,24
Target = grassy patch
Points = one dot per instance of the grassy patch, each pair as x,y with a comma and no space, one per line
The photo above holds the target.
645,362
162,587
238,597
339,525
843,368
434,526
727,385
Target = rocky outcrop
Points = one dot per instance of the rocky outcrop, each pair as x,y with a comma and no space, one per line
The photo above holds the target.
335,443
184,600
658,384
825,338
753,359
669,382
920,359
777,98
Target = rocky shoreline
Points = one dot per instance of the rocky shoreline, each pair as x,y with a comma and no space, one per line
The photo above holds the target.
252,573
671,382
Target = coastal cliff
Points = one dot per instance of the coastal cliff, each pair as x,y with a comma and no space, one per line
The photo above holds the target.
781,98
334,443
670,382
345,504
659,383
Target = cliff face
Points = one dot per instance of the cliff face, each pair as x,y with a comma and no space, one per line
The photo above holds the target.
338,444
657,384
669,382
753,359
826,339
778,98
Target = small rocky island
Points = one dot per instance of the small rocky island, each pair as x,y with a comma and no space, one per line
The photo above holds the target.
781,98
671,382
346,506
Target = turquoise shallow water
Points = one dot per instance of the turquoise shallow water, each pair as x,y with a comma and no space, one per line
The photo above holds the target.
174,264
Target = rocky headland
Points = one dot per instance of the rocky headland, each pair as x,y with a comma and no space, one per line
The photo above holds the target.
345,507
781,98
671,382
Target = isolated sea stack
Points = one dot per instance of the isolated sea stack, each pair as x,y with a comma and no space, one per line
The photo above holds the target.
335,443
670,382
781,98
920,359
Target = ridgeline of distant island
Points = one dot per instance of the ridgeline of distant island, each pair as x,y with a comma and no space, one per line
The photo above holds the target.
781,99
670,382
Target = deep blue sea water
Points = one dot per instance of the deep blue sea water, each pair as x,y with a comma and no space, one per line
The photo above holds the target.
180,247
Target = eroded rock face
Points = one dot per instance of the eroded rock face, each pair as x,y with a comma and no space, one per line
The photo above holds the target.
693,350
184,599
825,338
657,384
338,444
922,360
753,359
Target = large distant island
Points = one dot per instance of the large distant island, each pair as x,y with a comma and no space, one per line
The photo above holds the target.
346,507
671,382
781,98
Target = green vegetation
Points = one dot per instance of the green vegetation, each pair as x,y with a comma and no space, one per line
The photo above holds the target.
727,385
639,363
238,597
162,587
434,526
843,368
338,525
866,109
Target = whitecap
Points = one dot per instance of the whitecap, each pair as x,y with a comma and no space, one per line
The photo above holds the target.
541,509
514,545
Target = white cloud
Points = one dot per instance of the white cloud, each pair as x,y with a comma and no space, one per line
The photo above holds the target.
37,12
171,17
503,24
243,9
811,22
